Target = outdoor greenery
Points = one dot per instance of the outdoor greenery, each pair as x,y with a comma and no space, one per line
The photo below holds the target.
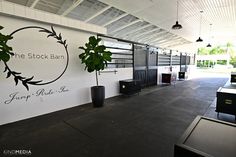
218,50
5,50
95,56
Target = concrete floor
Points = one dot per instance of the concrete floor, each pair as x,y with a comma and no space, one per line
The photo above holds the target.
144,125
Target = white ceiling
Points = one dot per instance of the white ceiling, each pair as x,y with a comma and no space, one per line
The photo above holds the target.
150,21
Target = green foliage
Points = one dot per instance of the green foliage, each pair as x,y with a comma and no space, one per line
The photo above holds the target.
5,50
203,51
217,50
221,62
95,56
213,51
233,61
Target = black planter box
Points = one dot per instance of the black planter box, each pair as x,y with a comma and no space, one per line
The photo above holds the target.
166,78
181,75
129,87
226,101
207,137
233,77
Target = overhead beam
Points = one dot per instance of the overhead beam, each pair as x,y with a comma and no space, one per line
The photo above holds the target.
28,3
185,42
127,25
168,39
154,36
161,38
147,37
135,30
144,33
34,3
73,6
98,13
115,19
172,43
181,43
173,40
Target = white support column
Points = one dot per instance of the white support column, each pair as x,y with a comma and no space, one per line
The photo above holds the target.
127,25
115,19
73,6
98,13
34,3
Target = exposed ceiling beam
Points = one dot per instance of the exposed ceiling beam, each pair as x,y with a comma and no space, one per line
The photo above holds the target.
98,13
147,37
73,6
127,25
154,36
147,32
161,38
28,3
181,43
168,39
115,19
174,43
34,3
134,30
173,40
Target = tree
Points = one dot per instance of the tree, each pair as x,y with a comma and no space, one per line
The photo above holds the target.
95,56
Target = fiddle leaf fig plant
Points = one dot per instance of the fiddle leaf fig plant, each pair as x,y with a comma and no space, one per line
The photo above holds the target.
5,50
95,56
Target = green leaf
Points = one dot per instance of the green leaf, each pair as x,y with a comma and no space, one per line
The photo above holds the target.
16,80
94,56
4,56
1,27
8,74
81,47
93,41
25,84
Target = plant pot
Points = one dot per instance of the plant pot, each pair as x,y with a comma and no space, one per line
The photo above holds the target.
98,95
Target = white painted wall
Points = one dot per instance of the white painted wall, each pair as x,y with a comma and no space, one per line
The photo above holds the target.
76,80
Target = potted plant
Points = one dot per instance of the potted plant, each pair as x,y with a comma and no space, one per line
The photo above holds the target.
5,50
95,58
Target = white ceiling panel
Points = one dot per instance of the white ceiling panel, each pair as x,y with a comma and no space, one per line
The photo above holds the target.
51,6
86,9
126,18
107,16
121,22
22,2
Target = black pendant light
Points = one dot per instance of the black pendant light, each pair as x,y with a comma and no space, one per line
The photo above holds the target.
200,39
177,25
209,45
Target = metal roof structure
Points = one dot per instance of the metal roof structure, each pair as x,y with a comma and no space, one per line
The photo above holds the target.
150,21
